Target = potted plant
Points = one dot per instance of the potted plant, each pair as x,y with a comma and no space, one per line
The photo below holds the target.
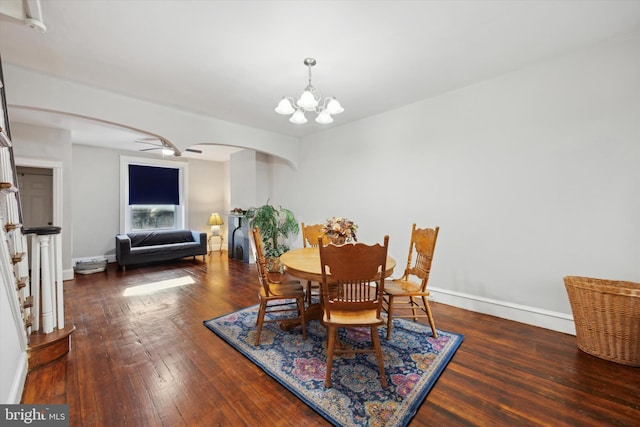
276,226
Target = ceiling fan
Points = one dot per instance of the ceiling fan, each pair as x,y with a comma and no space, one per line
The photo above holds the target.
161,144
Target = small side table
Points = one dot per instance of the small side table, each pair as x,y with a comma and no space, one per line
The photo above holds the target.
210,243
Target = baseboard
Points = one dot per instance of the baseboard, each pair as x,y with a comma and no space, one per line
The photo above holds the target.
553,320
15,393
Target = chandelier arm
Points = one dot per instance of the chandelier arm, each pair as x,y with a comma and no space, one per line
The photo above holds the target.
325,102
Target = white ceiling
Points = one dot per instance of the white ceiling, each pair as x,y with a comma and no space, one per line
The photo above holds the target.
235,59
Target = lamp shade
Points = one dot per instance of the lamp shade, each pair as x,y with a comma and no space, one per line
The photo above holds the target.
334,107
307,101
324,117
215,219
285,107
298,117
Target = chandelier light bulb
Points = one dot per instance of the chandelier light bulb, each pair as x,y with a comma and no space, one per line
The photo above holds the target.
324,118
334,107
285,107
309,100
298,118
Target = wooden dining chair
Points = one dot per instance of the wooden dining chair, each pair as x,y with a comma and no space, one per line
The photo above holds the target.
310,234
275,297
404,293
352,290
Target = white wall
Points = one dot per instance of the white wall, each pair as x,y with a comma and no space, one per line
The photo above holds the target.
96,197
531,176
243,179
95,201
207,194
36,143
31,89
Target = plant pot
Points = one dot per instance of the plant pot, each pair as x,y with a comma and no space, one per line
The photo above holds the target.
339,240
273,265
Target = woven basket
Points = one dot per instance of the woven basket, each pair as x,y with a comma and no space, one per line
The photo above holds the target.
606,314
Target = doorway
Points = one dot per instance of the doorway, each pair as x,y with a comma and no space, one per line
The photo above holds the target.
36,195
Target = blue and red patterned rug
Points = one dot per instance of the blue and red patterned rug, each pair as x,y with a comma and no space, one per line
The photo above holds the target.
413,362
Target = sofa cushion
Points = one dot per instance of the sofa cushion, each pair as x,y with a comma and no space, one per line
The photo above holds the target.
160,237
168,248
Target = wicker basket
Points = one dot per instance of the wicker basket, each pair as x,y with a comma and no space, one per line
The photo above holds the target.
606,314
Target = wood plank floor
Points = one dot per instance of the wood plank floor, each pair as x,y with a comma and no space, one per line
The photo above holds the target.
147,360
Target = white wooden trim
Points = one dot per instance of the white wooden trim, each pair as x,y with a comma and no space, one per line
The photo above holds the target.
57,169
553,320
183,167
18,381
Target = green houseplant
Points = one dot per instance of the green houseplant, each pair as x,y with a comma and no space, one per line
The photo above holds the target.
276,226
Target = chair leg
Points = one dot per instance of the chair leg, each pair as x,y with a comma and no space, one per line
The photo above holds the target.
260,320
414,308
331,343
309,291
430,315
389,317
375,339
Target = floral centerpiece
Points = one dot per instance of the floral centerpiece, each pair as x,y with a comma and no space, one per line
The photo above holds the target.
340,230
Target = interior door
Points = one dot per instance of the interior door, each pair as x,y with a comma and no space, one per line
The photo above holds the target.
36,195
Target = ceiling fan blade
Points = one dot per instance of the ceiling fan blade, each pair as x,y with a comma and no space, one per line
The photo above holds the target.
139,141
192,150
151,149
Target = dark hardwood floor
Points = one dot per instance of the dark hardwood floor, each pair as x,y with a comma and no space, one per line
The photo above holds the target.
147,360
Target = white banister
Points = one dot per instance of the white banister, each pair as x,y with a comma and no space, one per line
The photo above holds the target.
46,278
58,279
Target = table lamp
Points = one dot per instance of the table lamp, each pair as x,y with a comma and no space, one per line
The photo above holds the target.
215,221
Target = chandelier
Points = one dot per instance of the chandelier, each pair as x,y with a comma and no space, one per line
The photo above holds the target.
309,100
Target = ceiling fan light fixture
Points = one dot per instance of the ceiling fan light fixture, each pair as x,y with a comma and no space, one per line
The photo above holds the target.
168,152
309,100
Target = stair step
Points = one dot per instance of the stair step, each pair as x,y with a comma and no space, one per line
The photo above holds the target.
28,322
16,258
10,227
45,348
28,302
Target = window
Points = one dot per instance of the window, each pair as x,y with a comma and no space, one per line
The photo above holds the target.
147,217
153,194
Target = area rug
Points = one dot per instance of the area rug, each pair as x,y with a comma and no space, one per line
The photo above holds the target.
413,362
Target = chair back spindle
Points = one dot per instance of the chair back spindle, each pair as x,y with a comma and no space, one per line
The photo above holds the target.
353,276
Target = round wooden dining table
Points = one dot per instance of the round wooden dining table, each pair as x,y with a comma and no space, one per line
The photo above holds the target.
304,263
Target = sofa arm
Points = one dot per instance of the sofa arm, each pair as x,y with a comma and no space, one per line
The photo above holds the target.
123,249
201,238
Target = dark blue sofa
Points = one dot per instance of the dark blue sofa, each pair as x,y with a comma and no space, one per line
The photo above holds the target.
159,245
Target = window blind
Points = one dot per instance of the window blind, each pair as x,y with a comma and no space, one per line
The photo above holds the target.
153,185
